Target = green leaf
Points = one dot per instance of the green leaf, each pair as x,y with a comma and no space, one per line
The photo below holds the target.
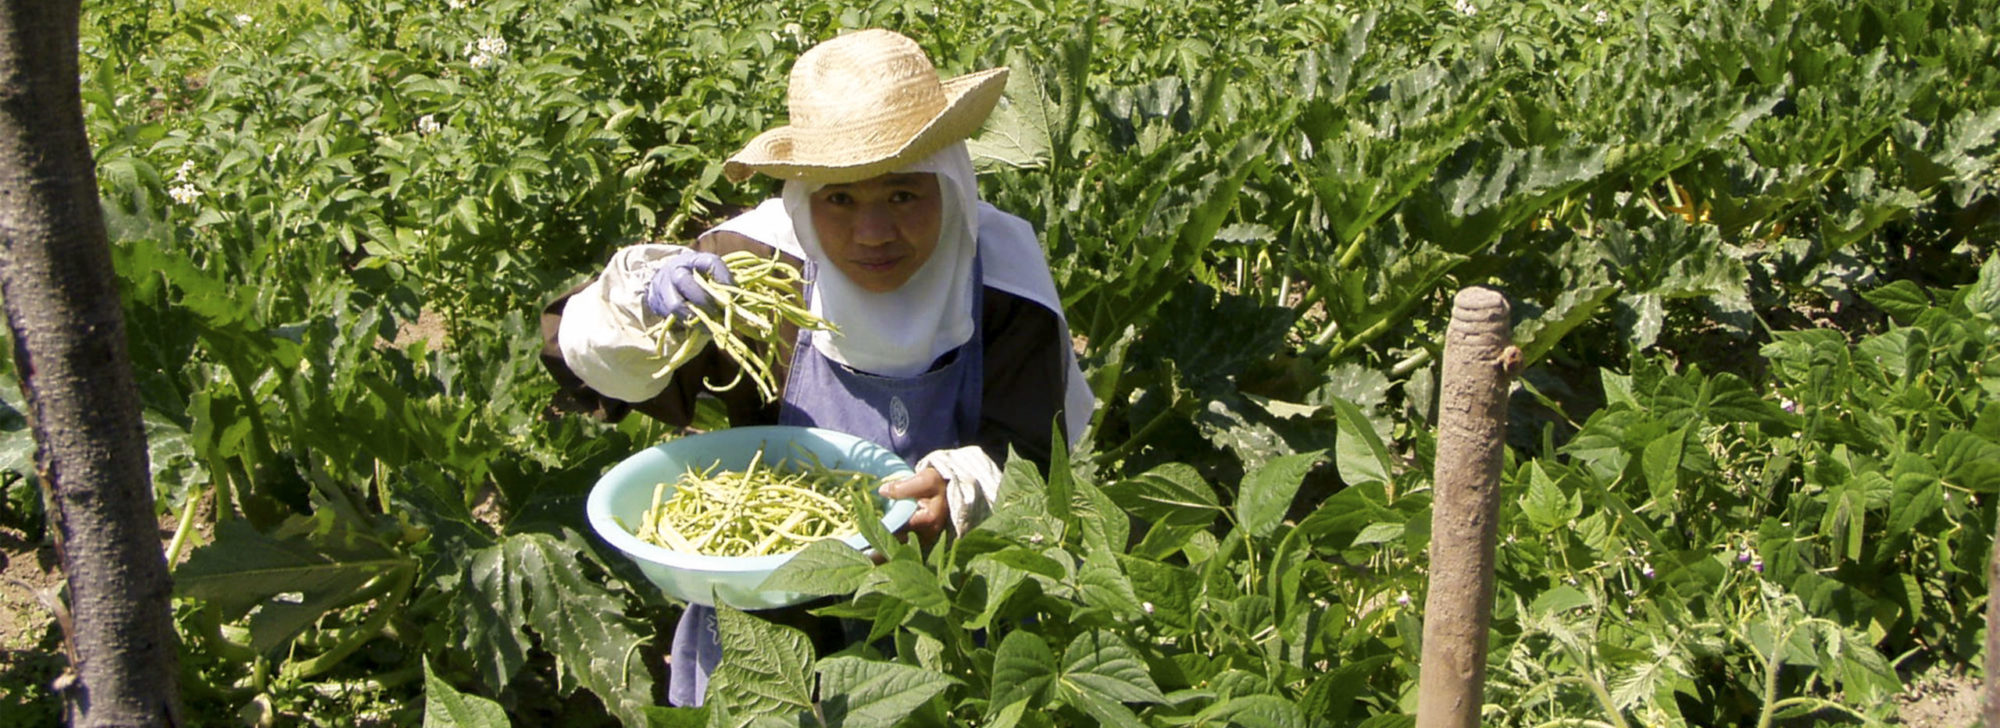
1016,134
1268,492
1558,600
1253,711
1662,462
1334,694
854,691
1902,299
1101,582
825,567
1379,533
1983,296
1359,453
1969,461
1917,495
1105,712
665,717
534,581
1100,663
1545,504
909,581
1168,588
1024,668
446,707
17,442
763,674
1174,493
314,564
1389,720
1574,307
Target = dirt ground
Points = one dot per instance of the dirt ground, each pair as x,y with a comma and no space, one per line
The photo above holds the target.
30,644
1941,700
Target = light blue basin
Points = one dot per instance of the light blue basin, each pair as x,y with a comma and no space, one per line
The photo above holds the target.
626,491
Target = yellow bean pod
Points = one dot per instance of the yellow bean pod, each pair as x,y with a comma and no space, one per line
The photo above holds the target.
749,312
756,511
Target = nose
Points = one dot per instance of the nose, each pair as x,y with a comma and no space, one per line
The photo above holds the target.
874,225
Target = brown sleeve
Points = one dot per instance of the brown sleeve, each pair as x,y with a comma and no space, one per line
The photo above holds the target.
676,404
1022,403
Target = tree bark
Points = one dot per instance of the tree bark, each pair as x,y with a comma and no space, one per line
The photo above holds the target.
1990,713
1479,364
82,400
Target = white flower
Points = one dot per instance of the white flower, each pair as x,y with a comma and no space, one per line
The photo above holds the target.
1465,8
428,124
185,194
1602,17
486,51
1784,402
243,19
1148,606
181,173
1403,599
458,4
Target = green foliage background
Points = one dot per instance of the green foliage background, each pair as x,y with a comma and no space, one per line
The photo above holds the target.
1748,247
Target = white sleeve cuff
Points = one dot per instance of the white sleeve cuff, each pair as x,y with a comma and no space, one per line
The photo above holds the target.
604,334
972,484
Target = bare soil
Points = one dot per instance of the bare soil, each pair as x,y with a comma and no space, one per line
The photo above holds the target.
1942,699
30,642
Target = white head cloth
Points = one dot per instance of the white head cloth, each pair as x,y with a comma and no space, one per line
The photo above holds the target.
900,333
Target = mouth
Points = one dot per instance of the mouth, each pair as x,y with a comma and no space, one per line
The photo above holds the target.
877,265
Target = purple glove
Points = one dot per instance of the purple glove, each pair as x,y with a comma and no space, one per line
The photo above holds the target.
674,290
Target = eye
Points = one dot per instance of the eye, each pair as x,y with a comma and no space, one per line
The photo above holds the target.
902,196
838,197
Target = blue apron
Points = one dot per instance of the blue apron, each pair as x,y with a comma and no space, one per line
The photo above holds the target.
912,416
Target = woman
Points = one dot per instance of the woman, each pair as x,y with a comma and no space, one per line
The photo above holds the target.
952,349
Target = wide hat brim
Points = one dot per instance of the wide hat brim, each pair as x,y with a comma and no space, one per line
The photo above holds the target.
969,99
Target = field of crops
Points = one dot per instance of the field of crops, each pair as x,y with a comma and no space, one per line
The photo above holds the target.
1752,462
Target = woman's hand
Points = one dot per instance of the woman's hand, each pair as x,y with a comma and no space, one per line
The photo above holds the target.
927,488
674,290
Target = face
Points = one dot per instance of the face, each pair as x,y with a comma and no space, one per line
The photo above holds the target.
878,232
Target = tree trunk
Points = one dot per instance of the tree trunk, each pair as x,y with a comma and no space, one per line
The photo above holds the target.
1990,713
82,401
1479,363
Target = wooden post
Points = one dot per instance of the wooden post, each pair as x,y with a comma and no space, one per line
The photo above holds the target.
1479,364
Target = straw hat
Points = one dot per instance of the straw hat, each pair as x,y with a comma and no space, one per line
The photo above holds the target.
865,104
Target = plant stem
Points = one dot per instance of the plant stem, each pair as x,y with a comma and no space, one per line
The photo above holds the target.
1604,699
386,607
1138,438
